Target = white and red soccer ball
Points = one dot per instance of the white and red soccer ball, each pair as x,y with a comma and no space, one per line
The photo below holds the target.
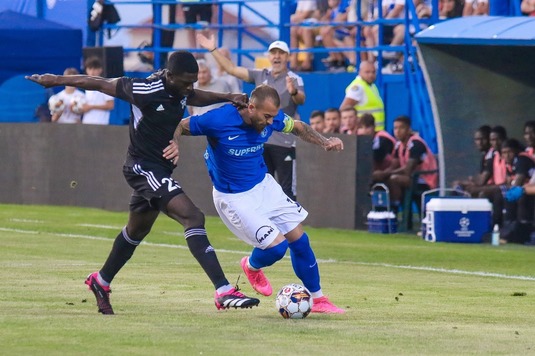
294,301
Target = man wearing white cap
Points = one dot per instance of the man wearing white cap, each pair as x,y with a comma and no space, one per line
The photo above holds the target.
279,152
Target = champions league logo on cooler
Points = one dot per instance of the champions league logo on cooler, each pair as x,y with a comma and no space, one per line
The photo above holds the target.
464,223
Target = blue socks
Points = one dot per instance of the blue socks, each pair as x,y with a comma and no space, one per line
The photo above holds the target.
305,264
263,258
303,260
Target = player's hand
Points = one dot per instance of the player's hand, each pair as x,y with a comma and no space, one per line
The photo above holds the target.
171,152
205,42
46,80
333,144
240,101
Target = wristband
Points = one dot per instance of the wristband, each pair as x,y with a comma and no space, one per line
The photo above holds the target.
213,49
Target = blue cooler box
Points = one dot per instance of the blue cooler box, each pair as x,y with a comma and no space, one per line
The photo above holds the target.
382,222
457,220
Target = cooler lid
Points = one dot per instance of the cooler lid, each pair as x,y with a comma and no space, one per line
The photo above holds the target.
462,205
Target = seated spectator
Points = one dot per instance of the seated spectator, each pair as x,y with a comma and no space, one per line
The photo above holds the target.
349,121
337,13
527,7
306,12
411,154
476,7
317,120
363,94
448,9
332,120
68,103
207,83
518,216
482,142
529,137
383,146
98,105
392,9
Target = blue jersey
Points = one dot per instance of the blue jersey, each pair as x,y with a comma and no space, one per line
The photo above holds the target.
234,152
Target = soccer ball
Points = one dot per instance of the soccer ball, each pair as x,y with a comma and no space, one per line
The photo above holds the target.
294,301
77,104
55,104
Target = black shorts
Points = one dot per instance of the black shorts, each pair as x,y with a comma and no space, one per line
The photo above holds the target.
153,187
194,13
388,34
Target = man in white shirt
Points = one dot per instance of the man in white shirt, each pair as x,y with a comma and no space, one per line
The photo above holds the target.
98,105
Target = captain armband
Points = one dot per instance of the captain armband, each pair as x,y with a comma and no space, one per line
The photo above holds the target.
288,124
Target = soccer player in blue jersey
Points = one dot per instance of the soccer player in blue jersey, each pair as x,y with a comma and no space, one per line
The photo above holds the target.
248,199
157,106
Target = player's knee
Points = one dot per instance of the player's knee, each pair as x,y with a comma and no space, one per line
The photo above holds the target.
194,218
138,234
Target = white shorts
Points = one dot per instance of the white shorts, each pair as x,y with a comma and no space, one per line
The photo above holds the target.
259,214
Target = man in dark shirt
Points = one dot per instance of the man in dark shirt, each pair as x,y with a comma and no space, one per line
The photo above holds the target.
157,106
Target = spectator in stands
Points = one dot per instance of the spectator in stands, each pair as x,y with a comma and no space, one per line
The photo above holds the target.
529,137
197,12
68,109
330,34
518,216
448,9
363,95
476,7
306,13
482,142
279,152
411,154
332,121
383,146
528,7
98,105
207,83
317,120
234,83
392,9
349,121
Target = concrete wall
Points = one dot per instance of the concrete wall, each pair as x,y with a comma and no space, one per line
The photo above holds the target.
81,165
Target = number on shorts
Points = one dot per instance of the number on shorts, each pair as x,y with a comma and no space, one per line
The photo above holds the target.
171,184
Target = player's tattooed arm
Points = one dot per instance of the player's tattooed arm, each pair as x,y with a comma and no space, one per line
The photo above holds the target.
308,134
172,152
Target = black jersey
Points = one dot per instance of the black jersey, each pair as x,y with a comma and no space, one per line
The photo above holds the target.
155,115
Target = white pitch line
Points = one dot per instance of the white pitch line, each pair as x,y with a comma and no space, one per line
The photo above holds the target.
27,221
386,265
101,226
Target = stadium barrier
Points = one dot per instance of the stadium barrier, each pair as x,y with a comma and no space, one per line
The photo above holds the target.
81,165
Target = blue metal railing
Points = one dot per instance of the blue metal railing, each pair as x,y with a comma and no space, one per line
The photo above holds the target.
421,113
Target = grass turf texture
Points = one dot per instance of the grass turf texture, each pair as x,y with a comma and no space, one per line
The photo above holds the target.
403,296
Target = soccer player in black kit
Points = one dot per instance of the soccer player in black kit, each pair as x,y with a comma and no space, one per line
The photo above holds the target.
157,106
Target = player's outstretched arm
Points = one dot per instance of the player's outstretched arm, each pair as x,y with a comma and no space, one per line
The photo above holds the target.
104,85
308,134
204,98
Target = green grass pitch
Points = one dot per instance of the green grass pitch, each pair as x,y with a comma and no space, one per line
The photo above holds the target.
403,296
